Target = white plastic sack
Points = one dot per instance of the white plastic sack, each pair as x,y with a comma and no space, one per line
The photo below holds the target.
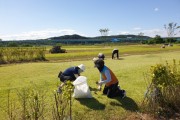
81,89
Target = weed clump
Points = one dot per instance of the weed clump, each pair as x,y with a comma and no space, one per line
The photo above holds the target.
162,96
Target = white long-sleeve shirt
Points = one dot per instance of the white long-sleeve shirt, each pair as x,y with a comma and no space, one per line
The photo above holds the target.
107,74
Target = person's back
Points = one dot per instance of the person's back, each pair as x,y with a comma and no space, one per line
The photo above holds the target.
113,79
70,72
115,51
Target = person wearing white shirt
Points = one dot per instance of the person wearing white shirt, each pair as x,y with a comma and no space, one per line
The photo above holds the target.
107,77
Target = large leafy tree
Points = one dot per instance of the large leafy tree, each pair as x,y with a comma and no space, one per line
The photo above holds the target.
158,39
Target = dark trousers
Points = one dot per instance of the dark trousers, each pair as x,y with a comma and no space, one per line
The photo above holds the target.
64,77
111,91
115,52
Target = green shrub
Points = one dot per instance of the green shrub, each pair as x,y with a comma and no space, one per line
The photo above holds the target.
62,108
57,49
164,91
2,60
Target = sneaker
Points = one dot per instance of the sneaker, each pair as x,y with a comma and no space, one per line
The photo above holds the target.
124,94
119,87
59,75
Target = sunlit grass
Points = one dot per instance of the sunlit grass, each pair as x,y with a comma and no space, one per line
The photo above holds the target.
129,70
85,52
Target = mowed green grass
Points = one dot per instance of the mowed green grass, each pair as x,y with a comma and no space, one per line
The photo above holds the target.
130,71
85,52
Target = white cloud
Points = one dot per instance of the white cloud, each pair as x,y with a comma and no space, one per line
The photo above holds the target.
147,32
124,32
137,28
42,34
151,32
59,32
156,9
154,32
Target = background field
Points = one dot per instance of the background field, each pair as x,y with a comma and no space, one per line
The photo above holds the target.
82,52
131,69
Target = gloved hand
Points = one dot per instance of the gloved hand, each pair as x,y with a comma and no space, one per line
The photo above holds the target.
99,87
98,83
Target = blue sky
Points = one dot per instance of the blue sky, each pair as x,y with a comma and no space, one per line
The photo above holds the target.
34,19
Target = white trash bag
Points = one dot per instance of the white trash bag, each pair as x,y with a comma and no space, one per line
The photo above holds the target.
81,89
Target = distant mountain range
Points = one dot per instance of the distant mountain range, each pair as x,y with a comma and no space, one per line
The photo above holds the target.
75,36
77,39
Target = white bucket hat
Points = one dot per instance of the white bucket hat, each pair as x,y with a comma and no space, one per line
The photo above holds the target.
82,67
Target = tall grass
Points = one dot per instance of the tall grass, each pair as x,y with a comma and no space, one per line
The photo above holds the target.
2,60
164,91
31,104
62,107
20,54
24,104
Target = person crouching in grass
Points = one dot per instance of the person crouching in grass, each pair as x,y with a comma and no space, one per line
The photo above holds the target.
107,77
71,74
